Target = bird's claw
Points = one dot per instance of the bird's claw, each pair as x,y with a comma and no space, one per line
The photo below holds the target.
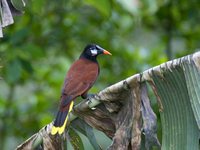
88,103
93,108
90,96
89,100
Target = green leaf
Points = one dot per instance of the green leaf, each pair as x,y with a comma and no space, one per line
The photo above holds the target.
13,71
18,4
179,91
91,137
26,66
38,7
103,6
78,125
75,140
19,36
87,130
192,75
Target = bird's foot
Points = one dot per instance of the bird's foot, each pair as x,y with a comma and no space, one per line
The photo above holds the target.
90,96
89,100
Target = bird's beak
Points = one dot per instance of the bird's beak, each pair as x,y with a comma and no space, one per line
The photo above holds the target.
106,52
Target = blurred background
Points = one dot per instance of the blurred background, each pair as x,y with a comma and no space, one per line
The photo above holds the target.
40,46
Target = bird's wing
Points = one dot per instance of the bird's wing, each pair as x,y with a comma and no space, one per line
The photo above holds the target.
80,78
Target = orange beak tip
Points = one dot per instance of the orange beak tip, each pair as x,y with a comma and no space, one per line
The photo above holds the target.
106,52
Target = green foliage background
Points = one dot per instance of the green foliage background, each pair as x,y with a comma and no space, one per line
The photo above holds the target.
39,47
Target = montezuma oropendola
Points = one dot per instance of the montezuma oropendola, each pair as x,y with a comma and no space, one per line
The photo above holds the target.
79,79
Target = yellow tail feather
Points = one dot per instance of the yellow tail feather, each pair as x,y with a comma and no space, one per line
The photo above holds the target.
61,129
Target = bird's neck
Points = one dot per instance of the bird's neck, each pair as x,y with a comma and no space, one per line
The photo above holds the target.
92,58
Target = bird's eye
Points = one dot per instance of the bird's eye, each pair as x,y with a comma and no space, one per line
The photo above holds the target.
93,52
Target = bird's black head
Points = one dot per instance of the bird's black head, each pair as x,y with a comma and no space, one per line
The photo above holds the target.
91,51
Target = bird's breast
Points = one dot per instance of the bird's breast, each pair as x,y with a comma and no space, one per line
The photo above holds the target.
80,77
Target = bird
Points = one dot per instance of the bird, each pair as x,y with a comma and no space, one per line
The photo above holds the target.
79,79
